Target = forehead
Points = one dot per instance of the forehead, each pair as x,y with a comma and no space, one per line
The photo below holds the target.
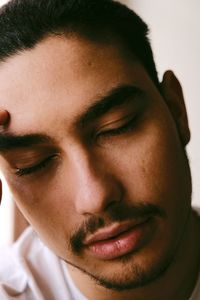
60,77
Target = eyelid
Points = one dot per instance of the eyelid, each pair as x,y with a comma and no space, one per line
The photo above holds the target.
36,167
123,121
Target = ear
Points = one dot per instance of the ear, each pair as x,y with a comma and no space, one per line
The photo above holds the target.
173,95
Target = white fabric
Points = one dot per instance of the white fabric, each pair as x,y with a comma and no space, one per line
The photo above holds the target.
196,292
30,271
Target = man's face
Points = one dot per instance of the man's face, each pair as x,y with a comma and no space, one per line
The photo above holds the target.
107,187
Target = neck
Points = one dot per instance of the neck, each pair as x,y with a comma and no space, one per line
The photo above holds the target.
177,283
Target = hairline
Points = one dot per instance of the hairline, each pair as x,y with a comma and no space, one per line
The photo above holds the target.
111,39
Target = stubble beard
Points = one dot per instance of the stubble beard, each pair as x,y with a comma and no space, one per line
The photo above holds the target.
132,274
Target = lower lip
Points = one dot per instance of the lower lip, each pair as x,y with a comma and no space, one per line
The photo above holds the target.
124,243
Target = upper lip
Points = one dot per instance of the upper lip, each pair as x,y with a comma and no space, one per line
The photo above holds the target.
112,231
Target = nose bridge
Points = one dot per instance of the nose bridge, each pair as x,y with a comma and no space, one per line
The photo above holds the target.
95,188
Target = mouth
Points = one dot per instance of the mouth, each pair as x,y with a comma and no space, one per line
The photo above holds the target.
119,239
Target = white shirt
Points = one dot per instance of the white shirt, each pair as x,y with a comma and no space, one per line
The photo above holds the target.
30,271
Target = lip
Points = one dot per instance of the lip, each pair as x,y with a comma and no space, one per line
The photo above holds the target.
119,239
112,231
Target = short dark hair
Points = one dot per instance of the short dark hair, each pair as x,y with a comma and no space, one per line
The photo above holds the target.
24,23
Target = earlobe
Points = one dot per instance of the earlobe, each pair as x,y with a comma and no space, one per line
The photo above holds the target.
173,95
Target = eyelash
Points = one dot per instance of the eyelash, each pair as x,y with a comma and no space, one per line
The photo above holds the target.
120,130
26,171
43,164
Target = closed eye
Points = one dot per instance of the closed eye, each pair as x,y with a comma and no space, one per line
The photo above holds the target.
35,168
124,128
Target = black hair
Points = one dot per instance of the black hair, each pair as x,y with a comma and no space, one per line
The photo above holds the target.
24,23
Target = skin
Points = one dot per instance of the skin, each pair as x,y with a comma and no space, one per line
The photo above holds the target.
4,120
93,175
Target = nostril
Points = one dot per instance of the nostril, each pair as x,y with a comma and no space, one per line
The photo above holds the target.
4,117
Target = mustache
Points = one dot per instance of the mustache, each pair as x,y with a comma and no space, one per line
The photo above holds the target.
116,214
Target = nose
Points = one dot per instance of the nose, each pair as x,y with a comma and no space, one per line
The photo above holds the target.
95,187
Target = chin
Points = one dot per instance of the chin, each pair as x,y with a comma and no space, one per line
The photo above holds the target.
132,275
130,271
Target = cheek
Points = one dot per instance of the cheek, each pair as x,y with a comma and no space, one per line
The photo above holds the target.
46,207
152,165
51,216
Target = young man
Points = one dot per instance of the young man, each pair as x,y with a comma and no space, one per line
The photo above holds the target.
92,146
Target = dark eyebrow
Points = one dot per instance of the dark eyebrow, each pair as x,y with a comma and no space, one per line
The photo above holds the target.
11,141
116,97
